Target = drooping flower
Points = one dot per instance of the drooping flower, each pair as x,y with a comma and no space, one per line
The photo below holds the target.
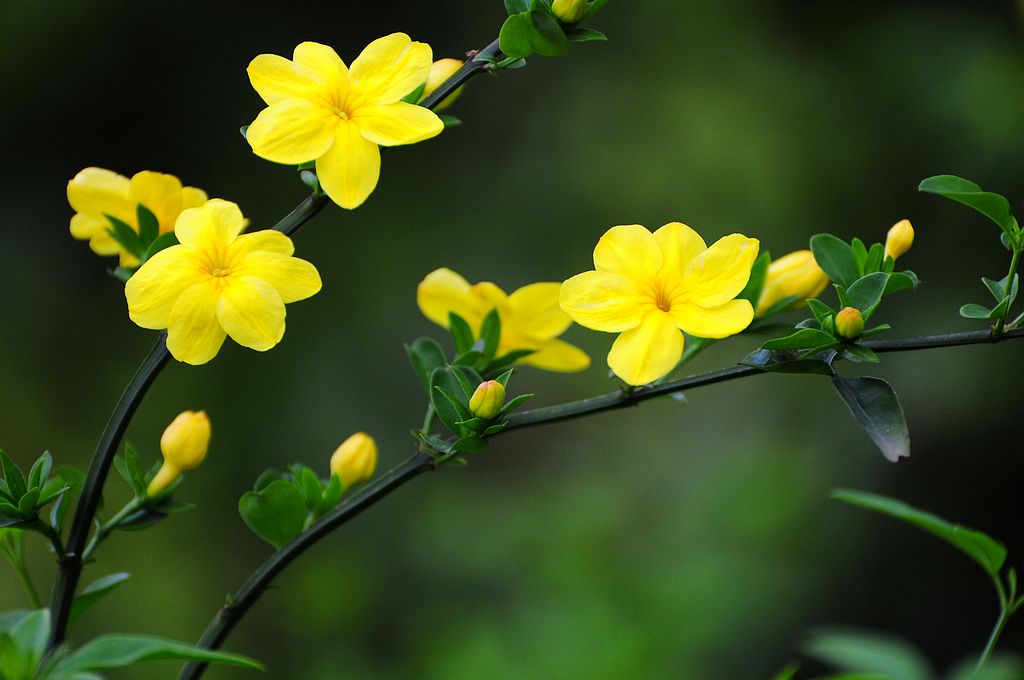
95,193
649,287
355,460
184,445
218,283
796,273
530,317
320,110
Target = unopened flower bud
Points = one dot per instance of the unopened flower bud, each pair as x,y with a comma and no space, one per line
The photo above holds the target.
488,399
440,71
569,11
794,274
899,239
184,445
355,460
849,322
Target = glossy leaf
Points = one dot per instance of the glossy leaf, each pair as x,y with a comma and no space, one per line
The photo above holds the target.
126,236
802,339
462,334
991,205
276,514
94,592
869,654
983,549
12,476
835,257
877,409
40,471
975,311
517,6
119,651
758,275
866,292
445,388
149,225
490,333
533,32
585,35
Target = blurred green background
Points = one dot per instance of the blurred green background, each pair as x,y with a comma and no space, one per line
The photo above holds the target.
669,541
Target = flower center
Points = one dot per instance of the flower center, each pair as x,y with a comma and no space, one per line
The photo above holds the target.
662,300
220,272
340,113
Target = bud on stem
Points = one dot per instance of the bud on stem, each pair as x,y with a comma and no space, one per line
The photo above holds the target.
569,11
899,239
849,323
488,399
184,445
355,460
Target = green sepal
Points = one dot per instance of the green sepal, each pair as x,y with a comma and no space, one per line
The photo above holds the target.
504,377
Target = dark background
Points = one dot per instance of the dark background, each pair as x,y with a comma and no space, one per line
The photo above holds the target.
669,541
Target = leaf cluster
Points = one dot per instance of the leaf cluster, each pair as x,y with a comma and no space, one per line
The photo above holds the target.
142,244
532,28
283,504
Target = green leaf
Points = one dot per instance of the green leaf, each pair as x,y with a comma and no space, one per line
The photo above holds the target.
40,471
901,281
10,512
866,293
462,334
994,288
12,476
27,504
983,549
835,257
10,619
416,95
975,311
802,339
468,358
785,362
31,633
119,651
449,121
312,489
585,35
161,242
533,32
332,494
758,275
517,6
490,333
276,514
821,311
468,379
874,261
504,377
444,388
73,477
860,354
869,654
993,206
515,402
125,235
470,444
860,254
149,225
874,404
94,592
507,359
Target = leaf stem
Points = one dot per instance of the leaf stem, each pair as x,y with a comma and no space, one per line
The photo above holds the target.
1014,261
16,558
993,638
111,525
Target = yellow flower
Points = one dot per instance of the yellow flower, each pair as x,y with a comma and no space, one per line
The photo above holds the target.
849,322
440,71
899,239
530,317
794,274
218,283
355,460
184,445
95,193
649,287
487,399
319,109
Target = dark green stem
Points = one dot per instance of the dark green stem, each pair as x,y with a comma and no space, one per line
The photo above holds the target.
478,63
70,567
303,213
239,603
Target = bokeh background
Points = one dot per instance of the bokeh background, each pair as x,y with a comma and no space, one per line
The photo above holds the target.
669,541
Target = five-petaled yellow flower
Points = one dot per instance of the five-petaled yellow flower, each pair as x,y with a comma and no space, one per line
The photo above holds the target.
95,193
530,317
319,109
649,287
218,283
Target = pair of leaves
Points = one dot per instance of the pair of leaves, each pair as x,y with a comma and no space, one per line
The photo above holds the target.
860,275
142,244
282,506
1003,295
21,497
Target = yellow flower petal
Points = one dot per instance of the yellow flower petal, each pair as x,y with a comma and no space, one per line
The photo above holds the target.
629,250
102,243
442,292
87,225
292,131
192,198
294,279
269,240
719,274
349,171
326,64
214,225
275,78
535,311
714,322
160,193
679,246
99,192
603,301
398,123
558,355
647,352
155,287
252,312
390,68
193,332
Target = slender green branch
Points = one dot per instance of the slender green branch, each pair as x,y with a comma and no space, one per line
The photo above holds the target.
70,567
239,603
110,526
993,638
1001,321
16,558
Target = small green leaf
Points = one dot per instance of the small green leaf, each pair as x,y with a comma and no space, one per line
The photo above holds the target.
874,261
332,494
860,354
860,254
975,311
125,235
785,362
470,444
802,339
444,388
993,206
312,489
875,406
27,504
835,257
517,6
266,478
12,476
507,360
585,35
449,121
898,281
119,651
468,379
94,592
276,514
994,288
149,225
416,95
40,471
490,333
866,292
533,32
462,334
504,377
758,275
983,549
161,242
514,403
869,655
31,633
821,311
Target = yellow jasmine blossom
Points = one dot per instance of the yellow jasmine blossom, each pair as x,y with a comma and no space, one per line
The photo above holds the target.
440,71
319,109
649,287
530,317
355,460
95,193
184,445
218,283
899,239
487,399
794,274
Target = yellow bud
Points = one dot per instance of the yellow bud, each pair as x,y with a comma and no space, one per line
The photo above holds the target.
569,11
355,460
440,71
488,399
184,445
849,322
794,274
899,239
